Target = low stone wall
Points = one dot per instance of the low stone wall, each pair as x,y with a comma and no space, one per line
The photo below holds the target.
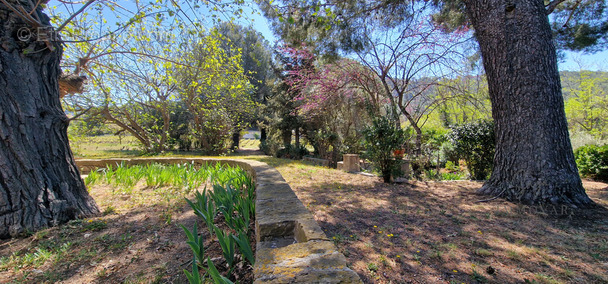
317,161
291,247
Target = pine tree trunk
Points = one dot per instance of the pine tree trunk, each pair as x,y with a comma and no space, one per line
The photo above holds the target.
534,163
263,134
297,132
236,138
286,135
40,185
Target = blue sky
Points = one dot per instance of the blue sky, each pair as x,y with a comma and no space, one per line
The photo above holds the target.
259,22
597,61
573,61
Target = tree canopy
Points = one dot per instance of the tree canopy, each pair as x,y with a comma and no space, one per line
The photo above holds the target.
577,25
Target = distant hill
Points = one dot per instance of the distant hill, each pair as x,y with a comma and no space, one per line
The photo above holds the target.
571,80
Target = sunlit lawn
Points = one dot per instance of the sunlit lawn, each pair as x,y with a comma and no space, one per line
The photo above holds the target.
113,146
104,146
250,144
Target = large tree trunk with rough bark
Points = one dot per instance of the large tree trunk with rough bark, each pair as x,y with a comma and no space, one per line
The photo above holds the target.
534,163
40,185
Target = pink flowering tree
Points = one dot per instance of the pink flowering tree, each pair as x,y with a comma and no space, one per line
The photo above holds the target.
330,106
399,70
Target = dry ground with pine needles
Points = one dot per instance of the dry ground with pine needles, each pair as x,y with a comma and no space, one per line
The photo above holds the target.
416,232
436,232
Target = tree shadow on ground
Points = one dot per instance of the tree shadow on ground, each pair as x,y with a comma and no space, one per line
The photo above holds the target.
138,246
143,244
436,232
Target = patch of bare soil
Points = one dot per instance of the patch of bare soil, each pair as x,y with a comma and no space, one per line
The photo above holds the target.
435,232
137,240
417,232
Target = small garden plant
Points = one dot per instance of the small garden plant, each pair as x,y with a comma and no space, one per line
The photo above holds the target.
382,139
234,200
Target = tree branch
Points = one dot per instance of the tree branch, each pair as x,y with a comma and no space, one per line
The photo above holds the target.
26,17
552,5
74,15
572,13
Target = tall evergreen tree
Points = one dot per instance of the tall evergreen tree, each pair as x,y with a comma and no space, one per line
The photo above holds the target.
533,163
40,185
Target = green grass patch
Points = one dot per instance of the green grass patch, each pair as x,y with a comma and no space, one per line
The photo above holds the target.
105,146
115,146
33,258
186,176
253,144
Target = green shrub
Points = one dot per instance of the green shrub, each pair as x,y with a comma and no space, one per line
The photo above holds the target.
382,138
433,140
474,142
451,167
592,161
451,176
292,152
270,146
431,174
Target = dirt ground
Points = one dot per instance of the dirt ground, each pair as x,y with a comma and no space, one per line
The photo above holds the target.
436,232
416,232
137,240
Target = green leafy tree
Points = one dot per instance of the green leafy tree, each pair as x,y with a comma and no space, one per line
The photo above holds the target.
216,91
587,107
464,99
143,90
256,57
289,65
281,117
137,93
